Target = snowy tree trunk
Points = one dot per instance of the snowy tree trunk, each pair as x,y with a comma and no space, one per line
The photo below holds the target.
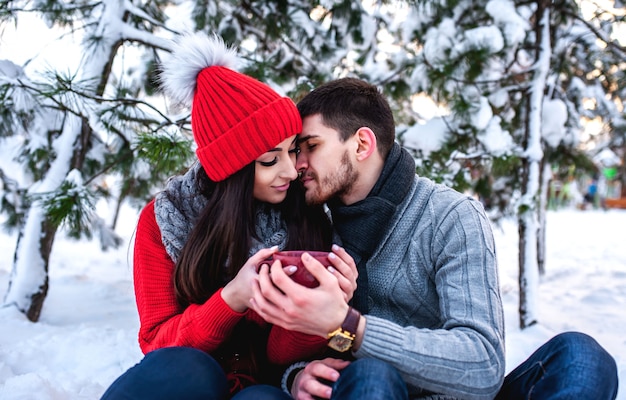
528,212
543,207
28,287
28,283
528,268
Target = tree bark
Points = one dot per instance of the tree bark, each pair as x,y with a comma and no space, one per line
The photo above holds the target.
531,174
527,273
543,207
47,239
28,283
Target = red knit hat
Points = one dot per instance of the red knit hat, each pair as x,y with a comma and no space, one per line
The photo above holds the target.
234,118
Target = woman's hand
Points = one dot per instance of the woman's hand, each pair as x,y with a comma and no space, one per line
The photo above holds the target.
344,269
236,293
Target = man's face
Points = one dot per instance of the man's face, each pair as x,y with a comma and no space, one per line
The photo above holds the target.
324,161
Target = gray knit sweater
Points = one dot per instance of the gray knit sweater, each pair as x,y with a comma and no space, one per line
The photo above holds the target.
435,311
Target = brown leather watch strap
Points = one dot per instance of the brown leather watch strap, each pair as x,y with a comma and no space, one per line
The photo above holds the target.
351,323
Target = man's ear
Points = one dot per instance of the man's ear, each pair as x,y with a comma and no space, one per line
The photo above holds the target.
366,142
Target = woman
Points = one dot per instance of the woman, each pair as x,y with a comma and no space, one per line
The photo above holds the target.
200,242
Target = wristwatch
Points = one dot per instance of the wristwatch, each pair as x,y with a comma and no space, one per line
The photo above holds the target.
342,338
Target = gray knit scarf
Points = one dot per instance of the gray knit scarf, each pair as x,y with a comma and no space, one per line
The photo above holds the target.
178,207
364,224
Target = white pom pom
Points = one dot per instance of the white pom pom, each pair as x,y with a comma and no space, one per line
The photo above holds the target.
193,53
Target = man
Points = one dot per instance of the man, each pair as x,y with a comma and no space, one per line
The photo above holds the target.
426,319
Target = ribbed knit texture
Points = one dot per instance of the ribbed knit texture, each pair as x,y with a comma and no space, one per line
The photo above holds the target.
234,117
164,323
435,309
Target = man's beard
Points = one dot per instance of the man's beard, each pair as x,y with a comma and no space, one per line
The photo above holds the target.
336,184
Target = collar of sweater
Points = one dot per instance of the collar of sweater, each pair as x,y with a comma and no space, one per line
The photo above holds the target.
364,224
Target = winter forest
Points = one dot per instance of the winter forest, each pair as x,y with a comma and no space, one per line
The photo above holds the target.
502,99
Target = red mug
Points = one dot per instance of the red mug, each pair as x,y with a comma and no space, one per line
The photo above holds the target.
302,275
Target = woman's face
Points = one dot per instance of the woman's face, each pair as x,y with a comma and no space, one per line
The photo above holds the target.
274,171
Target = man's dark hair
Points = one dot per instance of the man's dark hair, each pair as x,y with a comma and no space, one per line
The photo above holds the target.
348,104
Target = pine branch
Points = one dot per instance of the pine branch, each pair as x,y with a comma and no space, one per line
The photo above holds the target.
67,87
70,205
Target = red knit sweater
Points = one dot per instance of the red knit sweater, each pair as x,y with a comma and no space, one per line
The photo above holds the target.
164,323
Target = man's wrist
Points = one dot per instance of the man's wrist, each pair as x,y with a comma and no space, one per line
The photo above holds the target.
342,338
360,333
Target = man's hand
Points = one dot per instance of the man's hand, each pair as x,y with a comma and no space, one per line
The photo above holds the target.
316,378
281,301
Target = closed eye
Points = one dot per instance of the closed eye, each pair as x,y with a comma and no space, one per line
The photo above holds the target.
269,163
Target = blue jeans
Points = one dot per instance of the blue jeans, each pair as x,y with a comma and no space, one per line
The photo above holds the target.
371,379
569,366
173,373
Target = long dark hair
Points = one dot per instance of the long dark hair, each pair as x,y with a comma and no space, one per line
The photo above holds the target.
220,241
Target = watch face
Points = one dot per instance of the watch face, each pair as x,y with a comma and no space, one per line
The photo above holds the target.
340,342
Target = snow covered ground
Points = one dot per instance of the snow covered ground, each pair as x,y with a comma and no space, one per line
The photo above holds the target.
87,333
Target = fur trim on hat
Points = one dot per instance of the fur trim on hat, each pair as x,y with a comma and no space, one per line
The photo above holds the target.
193,53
